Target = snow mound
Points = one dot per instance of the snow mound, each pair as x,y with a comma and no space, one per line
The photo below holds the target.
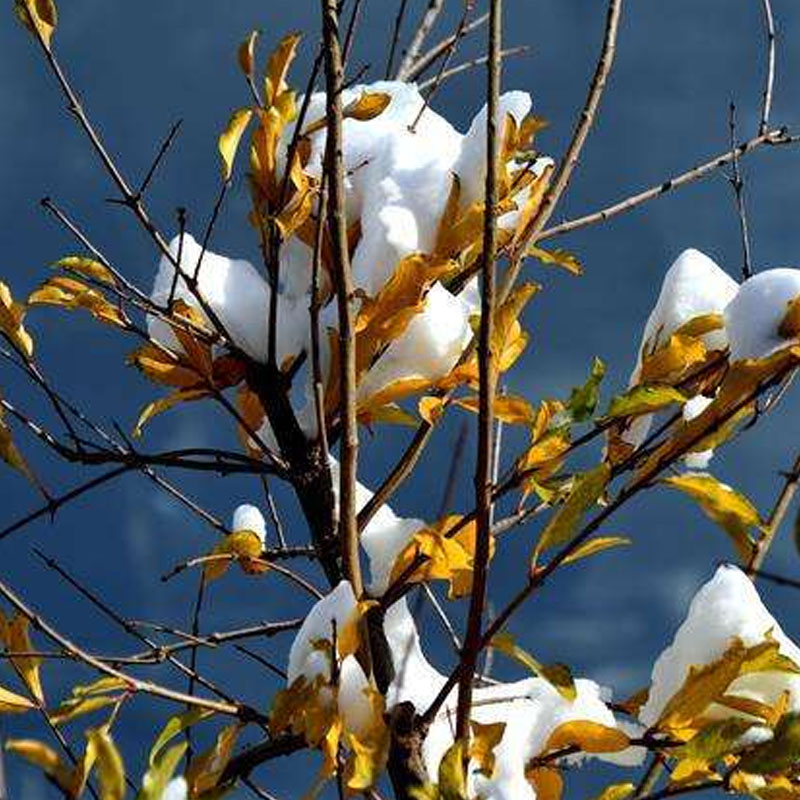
752,318
249,518
726,607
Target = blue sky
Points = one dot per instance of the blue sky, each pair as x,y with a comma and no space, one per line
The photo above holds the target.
140,66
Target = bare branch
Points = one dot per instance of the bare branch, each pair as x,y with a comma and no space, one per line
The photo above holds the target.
769,79
737,184
418,39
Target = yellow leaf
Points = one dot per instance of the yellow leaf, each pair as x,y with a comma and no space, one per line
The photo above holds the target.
778,754
174,726
508,338
587,490
110,769
673,360
11,703
159,774
547,782
166,403
278,67
452,780
39,17
700,326
242,546
617,791
246,53
731,510
396,390
367,759
589,737
644,400
14,635
484,740
87,267
229,139
557,675
11,454
557,258
507,408
431,408
594,546
715,740
391,413
11,317
44,757
78,706
367,106
72,294
205,770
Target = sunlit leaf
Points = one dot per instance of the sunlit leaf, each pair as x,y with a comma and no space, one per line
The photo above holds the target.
166,403
673,360
558,675
246,53
12,703
243,546
79,706
66,292
39,17
16,639
44,757
88,267
278,67
715,740
431,408
12,315
452,780
730,509
644,400
780,753
160,773
547,782
483,742
507,408
617,791
110,768
593,546
589,737
204,771
229,139
556,258
588,488
175,726
701,325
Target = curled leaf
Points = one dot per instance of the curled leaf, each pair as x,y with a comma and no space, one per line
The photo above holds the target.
40,17
557,675
229,139
11,317
246,53
88,267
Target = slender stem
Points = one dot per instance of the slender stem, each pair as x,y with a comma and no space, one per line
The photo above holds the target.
737,184
487,382
426,60
775,137
337,226
418,39
471,64
398,24
769,80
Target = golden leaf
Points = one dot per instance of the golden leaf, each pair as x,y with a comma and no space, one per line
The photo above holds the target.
44,757
205,770
731,510
557,675
507,408
701,325
508,338
110,768
644,400
160,773
11,454
166,403
72,294
78,706
368,758
617,791
40,17
229,139
246,53
87,267
593,546
673,360
14,636
278,66
556,258
243,546
397,390
446,557
589,737
11,703
164,367
715,740
587,490
452,780
431,408
689,771
789,327
484,740
547,782
175,726
11,317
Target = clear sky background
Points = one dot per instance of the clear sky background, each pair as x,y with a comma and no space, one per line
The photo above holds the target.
141,66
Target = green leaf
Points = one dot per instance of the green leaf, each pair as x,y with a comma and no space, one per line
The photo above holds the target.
585,493
779,754
176,725
78,706
593,546
160,773
452,780
583,399
715,740
732,511
557,675
644,400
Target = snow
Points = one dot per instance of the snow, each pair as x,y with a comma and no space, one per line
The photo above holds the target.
249,518
694,408
754,315
693,286
176,789
726,607
236,293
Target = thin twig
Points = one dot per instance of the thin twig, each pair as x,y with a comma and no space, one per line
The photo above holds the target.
428,59
778,136
471,64
420,35
398,24
162,151
487,382
769,79
737,184
337,227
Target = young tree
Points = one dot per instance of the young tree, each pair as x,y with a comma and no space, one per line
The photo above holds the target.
391,292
